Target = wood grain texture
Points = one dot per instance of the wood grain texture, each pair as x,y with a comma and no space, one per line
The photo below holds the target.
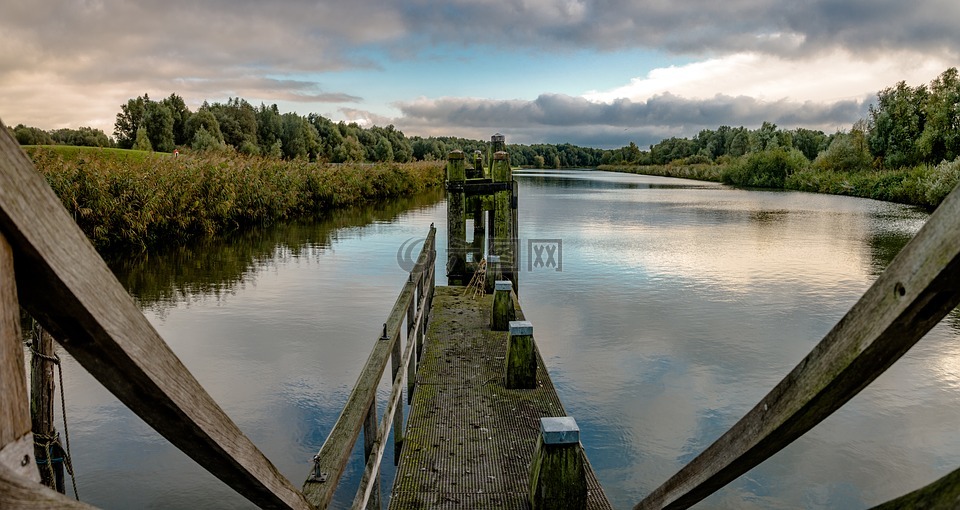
943,494
920,286
14,402
335,452
17,492
68,288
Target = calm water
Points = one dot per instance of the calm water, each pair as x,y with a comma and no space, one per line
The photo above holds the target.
679,305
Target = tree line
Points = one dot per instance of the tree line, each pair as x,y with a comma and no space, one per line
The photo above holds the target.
906,126
238,126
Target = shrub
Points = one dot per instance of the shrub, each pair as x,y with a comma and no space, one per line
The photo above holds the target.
940,181
765,169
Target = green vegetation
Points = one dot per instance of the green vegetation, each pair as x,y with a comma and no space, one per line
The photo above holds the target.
908,151
142,199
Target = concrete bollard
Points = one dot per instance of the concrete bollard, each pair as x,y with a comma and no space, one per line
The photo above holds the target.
557,472
492,275
521,360
503,310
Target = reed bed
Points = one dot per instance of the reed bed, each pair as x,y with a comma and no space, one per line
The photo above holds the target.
123,202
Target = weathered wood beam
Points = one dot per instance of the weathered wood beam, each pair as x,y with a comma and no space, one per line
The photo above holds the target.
920,286
68,288
16,439
943,494
18,492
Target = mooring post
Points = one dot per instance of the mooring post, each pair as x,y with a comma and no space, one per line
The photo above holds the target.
521,357
557,472
456,226
503,310
46,448
503,234
493,273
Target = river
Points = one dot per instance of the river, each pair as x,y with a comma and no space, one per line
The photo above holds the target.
673,307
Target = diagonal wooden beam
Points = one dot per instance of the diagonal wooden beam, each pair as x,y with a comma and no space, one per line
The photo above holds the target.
920,286
68,288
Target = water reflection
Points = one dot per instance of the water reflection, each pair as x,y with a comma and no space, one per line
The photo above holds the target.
679,305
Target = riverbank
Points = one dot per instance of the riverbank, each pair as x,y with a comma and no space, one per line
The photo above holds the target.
143,200
922,185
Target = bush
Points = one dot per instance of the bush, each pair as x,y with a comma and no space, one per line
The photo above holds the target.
765,169
941,181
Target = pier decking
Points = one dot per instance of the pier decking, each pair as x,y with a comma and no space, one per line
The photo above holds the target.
469,440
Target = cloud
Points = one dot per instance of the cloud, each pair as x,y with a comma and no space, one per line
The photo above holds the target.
695,26
555,115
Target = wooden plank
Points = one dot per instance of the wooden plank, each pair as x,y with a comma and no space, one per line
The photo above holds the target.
335,452
17,492
921,285
16,440
943,494
68,288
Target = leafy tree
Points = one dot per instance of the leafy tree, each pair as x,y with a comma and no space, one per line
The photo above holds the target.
129,120
142,142
896,123
158,121
83,136
181,114
940,140
847,152
205,119
204,140
26,135
349,150
384,150
269,129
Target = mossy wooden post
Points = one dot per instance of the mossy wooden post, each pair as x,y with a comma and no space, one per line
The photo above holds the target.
557,472
456,226
492,274
503,310
41,411
521,360
502,218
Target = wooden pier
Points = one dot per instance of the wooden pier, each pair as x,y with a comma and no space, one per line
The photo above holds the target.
486,429
469,440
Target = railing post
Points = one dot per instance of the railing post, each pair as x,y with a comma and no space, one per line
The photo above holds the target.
521,360
503,311
16,439
396,358
557,472
369,443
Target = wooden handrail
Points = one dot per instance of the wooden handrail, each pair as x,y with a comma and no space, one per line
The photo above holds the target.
332,458
919,287
67,287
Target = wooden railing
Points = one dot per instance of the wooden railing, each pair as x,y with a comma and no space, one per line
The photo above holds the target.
48,267
919,287
413,305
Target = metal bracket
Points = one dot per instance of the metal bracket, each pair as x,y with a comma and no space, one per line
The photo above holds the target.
317,475
384,335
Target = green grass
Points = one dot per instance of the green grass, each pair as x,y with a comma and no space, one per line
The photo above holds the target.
123,199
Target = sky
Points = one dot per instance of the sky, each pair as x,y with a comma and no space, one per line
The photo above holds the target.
597,73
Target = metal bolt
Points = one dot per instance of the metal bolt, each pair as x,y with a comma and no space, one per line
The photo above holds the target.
25,460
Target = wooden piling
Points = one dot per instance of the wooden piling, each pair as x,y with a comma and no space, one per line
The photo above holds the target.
503,310
492,274
42,388
557,473
503,235
521,359
456,226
